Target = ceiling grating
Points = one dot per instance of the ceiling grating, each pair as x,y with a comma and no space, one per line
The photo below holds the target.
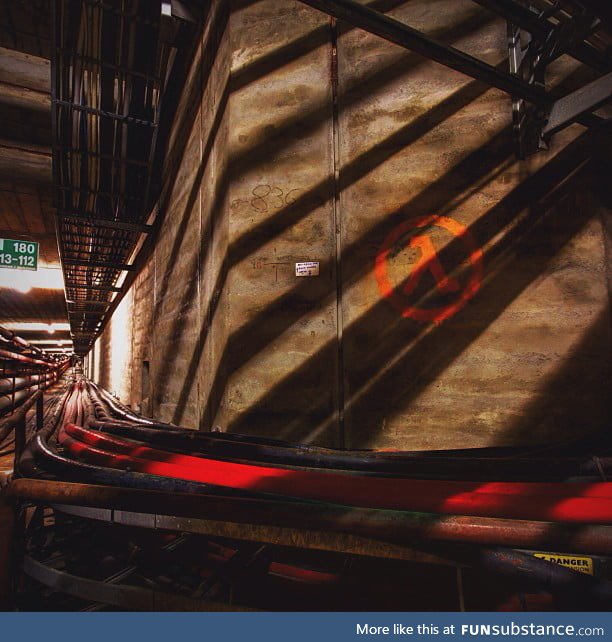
108,70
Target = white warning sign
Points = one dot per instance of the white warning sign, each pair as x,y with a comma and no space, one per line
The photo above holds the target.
307,268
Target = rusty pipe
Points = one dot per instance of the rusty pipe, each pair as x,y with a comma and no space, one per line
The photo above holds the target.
398,527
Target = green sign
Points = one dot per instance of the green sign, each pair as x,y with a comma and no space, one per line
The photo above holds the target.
18,255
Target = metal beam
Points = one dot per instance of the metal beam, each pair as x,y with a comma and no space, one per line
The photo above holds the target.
400,34
95,192
73,285
518,15
271,520
128,15
105,114
104,64
568,109
97,264
188,10
103,222
118,160
601,8
89,303
542,28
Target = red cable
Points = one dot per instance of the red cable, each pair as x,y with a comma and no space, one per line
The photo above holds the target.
567,502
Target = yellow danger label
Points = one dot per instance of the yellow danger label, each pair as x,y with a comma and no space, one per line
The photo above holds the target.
576,563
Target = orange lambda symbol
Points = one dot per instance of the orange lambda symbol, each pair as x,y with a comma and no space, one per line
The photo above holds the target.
429,261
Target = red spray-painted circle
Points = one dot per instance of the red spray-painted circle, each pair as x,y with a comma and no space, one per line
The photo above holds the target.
399,297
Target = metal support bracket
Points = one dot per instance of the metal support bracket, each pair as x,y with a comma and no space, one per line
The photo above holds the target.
564,111
530,51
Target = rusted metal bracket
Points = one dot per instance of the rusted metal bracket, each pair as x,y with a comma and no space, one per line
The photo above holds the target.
532,46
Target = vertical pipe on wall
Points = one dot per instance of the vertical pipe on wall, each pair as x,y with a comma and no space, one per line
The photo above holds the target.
335,155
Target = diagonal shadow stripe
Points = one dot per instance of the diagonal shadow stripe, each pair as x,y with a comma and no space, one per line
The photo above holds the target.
245,245
439,346
465,177
301,298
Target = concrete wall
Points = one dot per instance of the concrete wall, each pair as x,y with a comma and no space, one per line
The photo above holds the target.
302,140
171,322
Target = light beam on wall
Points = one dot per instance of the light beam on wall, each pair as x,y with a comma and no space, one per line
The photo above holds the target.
121,348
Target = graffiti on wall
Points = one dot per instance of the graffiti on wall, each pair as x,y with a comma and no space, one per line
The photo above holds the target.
428,268
266,198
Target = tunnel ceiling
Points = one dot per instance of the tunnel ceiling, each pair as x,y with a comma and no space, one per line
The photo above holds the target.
29,301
